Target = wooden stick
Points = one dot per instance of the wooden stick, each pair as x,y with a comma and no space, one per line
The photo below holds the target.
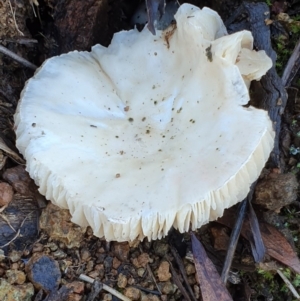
17,58
105,287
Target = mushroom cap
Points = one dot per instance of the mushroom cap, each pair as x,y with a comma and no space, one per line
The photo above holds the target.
151,132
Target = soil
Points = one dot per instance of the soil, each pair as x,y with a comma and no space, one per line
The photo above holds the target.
42,254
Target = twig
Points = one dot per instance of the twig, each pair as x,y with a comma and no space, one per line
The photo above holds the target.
179,284
2,209
105,287
234,239
182,270
17,58
150,273
152,276
146,290
6,219
96,289
22,41
18,232
288,284
13,12
292,66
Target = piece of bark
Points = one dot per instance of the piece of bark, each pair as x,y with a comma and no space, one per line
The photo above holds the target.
269,93
80,24
19,209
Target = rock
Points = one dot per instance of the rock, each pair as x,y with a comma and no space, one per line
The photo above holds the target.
108,261
132,293
142,260
121,250
59,254
74,297
190,269
2,272
37,247
167,287
276,191
23,292
94,274
19,178
116,263
76,286
43,272
163,272
15,277
141,272
15,266
160,248
57,223
149,297
107,297
122,281
15,256
85,254
220,237
89,266
6,194
52,246
197,291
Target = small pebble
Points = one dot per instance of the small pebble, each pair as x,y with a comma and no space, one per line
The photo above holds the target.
116,263
141,272
122,281
14,266
15,256
107,297
190,269
121,250
15,277
89,266
77,286
167,288
37,247
163,272
132,293
142,260
59,254
85,255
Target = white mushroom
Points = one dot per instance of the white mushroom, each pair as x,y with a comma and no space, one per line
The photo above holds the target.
151,132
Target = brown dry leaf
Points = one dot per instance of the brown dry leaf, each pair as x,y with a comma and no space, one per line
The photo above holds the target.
275,243
278,247
6,194
212,287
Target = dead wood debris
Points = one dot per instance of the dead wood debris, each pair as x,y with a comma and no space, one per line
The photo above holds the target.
182,270
18,232
212,287
105,287
17,58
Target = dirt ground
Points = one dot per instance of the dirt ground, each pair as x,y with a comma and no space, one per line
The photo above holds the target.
43,254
